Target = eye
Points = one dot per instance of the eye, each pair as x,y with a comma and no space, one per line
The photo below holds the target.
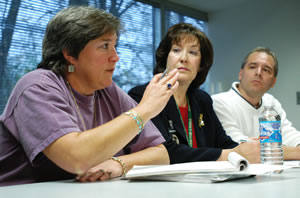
176,49
194,52
252,66
105,46
267,70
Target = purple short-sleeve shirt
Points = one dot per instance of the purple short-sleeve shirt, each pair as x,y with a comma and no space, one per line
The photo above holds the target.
40,110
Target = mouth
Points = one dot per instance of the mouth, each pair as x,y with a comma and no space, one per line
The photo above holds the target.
183,68
256,81
111,70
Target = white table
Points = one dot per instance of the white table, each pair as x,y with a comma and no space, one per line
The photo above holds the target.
284,185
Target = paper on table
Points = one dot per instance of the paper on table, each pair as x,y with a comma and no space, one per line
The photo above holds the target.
293,163
195,177
235,163
238,161
259,169
208,171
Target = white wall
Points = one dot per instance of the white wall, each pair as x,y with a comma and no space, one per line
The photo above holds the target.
269,23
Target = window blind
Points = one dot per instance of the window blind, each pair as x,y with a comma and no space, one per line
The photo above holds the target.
21,37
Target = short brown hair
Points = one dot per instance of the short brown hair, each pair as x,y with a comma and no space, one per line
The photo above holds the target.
264,50
71,29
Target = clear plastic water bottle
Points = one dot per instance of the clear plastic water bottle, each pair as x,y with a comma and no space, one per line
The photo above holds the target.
270,137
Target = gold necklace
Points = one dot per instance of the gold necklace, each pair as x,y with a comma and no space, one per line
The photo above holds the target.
78,110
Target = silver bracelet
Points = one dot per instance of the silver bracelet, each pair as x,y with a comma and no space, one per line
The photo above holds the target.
137,118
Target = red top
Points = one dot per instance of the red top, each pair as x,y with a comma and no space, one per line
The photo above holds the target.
185,118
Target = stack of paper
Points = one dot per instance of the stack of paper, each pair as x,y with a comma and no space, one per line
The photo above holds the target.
208,171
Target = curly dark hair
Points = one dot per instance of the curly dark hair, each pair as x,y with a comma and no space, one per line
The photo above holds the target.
175,34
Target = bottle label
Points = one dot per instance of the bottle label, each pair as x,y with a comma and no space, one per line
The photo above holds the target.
270,131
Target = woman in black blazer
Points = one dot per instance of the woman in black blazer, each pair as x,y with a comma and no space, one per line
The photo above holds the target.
188,122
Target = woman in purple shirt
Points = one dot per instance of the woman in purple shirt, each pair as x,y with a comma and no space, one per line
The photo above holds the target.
68,118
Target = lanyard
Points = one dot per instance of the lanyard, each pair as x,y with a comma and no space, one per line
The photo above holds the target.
190,128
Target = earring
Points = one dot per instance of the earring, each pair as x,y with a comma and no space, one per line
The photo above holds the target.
71,68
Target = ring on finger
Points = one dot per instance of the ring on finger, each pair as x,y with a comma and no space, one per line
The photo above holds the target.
109,174
77,177
101,171
169,85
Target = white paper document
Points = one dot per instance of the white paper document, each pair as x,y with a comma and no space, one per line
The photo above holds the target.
207,171
293,163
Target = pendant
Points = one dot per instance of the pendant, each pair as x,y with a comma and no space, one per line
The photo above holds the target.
201,122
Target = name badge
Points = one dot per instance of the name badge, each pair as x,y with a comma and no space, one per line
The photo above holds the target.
172,132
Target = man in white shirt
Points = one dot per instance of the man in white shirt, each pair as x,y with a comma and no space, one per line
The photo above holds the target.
239,108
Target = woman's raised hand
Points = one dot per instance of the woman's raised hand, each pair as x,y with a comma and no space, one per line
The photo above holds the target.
157,94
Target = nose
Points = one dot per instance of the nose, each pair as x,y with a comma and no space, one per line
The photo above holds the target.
183,57
114,56
258,71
